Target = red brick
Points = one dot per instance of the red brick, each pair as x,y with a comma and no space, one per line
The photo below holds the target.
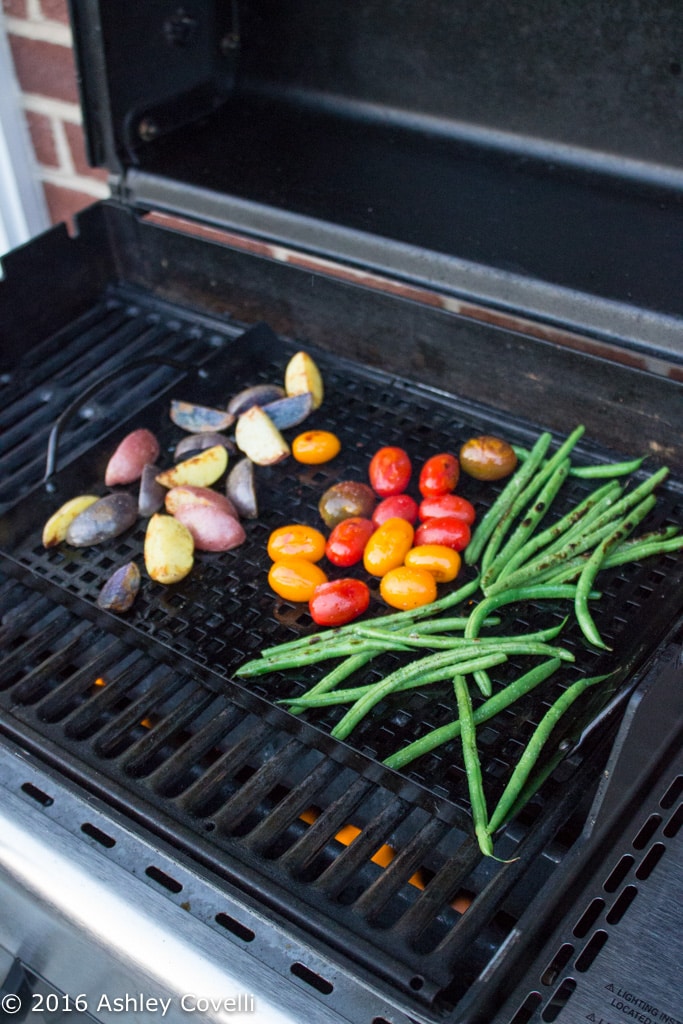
74,134
55,10
14,8
44,68
63,203
43,138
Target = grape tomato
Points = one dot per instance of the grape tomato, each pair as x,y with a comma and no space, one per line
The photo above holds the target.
388,546
442,562
447,505
487,458
295,579
390,471
439,475
346,543
346,499
398,505
298,540
314,447
406,587
447,530
339,601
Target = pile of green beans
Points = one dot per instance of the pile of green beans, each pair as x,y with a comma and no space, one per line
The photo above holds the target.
516,560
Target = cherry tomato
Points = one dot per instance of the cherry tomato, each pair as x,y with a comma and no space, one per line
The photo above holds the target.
345,499
295,578
487,458
389,472
439,475
338,602
388,546
346,543
401,505
447,530
406,587
442,562
447,505
298,540
315,446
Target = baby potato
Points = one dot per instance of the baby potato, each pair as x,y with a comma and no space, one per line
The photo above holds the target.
302,375
200,471
105,518
130,458
169,549
186,494
54,531
120,590
212,528
258,437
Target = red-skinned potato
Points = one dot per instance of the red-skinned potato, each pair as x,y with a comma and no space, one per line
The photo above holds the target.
137,449
186,494
212,528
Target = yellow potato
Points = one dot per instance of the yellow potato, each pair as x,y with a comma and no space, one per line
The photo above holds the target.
201,470
55,528
169,549
302,375
258,437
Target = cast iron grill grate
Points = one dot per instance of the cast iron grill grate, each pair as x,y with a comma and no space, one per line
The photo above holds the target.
148,711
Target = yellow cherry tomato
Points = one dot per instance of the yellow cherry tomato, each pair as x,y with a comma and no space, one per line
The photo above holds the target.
405,587
388,546
315,446
442,562
295,578
296,540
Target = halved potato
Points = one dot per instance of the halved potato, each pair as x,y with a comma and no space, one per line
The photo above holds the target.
201,470
169,549
212,528
135,451
197,419
302,375
54,531
258,437
105,519
186,494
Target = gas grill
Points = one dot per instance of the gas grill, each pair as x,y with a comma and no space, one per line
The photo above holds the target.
173,841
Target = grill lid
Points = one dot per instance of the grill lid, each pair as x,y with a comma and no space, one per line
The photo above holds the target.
464,148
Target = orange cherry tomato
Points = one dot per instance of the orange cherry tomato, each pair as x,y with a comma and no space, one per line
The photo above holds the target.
439,475
295,579
315,446
297,540
441,561
389,471
388,546
407,587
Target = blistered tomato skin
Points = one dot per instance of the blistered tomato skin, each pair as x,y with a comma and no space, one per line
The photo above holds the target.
399,505
338,602
439,475
346,543
296,540
442,562
346,499
314,447
447,530
487,458
390,471
388,546
447,505
406,587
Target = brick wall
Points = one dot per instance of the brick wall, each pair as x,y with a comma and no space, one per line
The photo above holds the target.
40,41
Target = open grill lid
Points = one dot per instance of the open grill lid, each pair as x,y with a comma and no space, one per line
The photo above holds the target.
529,157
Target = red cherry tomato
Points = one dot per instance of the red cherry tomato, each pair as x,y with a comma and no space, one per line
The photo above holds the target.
338,602
346,543
447,530
390,470
439,475
447,505
401,506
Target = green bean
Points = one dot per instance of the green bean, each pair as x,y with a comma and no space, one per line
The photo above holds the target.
630,499
533,749
470,756
603,471
483,681
311,656
592,567
413,681
528,523
493,706
639,548
331,680
532,593
534,485
514,486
